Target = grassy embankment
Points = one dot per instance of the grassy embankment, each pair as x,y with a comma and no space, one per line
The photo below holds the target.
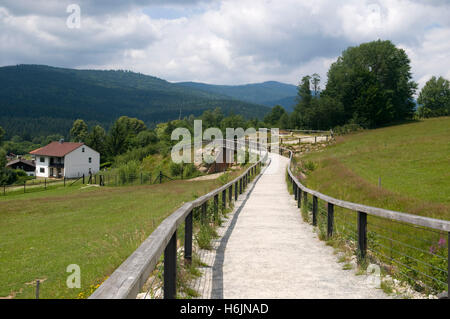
42,233
412,161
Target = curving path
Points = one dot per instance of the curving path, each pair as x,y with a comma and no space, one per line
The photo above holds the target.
267,251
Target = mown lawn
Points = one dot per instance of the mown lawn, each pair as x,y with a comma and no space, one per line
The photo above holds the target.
96,228
412,160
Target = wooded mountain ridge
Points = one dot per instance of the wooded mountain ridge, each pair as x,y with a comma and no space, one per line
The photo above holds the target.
268,93
39,99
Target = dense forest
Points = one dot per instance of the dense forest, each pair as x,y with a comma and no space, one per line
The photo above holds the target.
37,101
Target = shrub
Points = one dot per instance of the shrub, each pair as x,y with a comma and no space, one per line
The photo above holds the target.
7,176
309,165
224,178
105,165
175,169
190,170
136,154
204,236
128,171
347,129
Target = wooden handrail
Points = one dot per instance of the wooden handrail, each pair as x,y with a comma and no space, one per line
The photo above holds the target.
128,279
438,224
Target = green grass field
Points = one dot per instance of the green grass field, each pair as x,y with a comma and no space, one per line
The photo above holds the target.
42,233
412,160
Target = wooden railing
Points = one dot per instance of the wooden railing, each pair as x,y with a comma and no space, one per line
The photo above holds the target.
361,235
128,279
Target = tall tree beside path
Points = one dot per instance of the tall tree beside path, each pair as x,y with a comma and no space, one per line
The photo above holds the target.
304,98
374,84
434,99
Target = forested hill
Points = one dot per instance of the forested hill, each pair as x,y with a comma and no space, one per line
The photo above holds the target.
37,99
268,93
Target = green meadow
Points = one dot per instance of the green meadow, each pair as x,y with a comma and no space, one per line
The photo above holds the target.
404,168
412,161
41,233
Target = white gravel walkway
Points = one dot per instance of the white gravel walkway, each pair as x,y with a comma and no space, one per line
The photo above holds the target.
267,251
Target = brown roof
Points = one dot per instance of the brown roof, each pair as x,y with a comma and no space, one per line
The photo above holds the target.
57,149
19,160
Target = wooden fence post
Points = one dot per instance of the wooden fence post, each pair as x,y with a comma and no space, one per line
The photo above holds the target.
330,220
216,207
188,238
170,268
305,200
37,288
236,191
295,190
362,235
448,266
224,200
314,211
299,197
203,213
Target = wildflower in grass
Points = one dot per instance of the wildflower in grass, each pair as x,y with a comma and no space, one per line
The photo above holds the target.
442,242
432,249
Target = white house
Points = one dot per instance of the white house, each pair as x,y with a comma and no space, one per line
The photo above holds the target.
66,159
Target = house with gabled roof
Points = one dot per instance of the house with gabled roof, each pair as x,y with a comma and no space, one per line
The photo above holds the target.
26,165
66,159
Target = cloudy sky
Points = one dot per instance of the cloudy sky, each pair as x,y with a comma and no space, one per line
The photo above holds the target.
221,41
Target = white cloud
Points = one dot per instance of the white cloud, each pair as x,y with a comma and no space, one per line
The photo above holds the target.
224,42
431,57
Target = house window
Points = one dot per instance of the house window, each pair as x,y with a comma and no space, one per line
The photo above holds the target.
42,159
82,149
42,170
90,159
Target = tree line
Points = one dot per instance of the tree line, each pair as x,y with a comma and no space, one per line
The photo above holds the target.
369,86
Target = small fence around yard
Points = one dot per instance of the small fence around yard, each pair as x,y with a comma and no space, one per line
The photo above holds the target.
37,185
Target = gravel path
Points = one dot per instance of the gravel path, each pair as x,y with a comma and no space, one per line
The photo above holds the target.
267,251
